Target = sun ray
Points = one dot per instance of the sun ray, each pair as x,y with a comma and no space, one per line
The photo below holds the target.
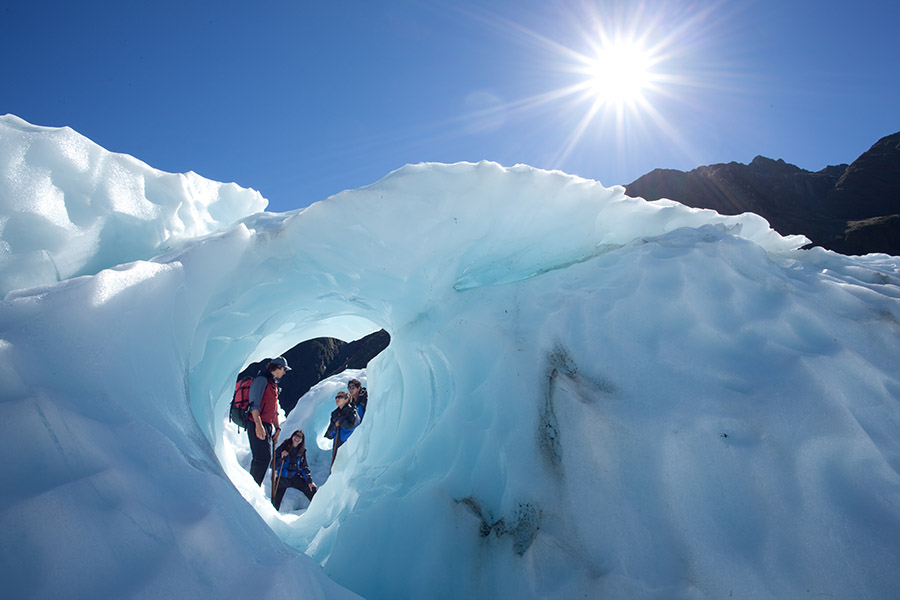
575,136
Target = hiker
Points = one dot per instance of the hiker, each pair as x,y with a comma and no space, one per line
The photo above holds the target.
344,420
264,427
359,397
294,471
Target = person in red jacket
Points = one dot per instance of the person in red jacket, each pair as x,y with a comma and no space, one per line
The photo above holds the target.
264,428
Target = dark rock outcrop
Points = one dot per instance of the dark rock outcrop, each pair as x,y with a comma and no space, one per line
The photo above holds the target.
850,209
870,187
879,234
317,359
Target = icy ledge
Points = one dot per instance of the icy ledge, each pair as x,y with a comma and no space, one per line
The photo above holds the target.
68,207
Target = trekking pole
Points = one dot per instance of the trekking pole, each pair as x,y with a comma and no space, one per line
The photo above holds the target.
273,468
278,479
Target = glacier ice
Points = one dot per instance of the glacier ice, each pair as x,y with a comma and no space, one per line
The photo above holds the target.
585,395
68,207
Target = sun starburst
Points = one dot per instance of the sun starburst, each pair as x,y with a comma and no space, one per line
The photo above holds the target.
620,73
614,79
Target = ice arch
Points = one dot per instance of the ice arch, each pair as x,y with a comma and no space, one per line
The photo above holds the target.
549,419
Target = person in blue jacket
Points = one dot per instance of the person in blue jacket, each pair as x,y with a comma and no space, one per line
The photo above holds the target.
359,397
344,420
294,471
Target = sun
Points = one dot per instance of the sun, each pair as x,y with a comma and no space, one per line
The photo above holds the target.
609,77
620,73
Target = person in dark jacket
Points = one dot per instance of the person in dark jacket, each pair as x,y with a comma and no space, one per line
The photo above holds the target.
344,420
294,470
264,428
359,397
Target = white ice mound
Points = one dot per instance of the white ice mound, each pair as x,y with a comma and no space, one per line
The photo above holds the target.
68,207
585,396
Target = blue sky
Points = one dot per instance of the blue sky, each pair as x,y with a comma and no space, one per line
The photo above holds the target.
300,99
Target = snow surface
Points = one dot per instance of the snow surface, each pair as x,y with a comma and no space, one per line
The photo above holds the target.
585,395
68,207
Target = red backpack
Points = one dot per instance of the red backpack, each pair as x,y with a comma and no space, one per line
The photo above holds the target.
239,414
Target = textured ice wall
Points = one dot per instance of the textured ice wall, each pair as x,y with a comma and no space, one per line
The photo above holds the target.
585,395
68,207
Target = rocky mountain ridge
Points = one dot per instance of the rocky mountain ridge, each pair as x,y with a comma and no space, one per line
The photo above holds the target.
852,209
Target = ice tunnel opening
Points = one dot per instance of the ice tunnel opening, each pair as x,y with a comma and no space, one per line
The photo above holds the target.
319,369
212,390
